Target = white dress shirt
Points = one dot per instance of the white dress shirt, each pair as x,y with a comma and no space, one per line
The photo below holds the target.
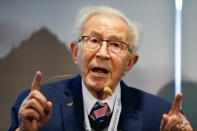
89,100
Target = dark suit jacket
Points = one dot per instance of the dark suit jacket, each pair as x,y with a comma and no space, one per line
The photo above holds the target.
140,111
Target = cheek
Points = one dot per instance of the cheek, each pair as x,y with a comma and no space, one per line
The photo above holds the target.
84,61
118,68
80,61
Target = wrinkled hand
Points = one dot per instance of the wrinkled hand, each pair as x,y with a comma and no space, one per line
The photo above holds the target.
35,110
175,120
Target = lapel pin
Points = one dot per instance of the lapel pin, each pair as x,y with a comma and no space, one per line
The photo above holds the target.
70,104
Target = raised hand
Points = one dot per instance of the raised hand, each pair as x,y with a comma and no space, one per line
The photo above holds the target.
35,110
175,120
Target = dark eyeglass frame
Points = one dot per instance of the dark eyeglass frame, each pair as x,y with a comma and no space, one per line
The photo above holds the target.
101,41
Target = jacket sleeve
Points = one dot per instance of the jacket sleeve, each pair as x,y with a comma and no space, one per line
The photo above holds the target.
14,124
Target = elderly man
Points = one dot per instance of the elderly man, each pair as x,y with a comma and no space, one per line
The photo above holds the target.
97,99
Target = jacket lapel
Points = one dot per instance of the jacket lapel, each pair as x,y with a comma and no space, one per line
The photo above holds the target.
130,119
72,110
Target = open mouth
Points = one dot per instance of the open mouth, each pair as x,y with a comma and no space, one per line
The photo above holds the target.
100,70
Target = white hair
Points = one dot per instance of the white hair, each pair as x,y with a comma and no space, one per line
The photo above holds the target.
86,13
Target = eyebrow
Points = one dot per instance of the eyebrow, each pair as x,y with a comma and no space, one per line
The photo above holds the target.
95,33
116,38
113,37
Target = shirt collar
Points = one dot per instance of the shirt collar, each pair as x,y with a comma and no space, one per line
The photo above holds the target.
89,100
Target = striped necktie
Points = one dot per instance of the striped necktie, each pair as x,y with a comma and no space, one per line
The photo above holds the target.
100,111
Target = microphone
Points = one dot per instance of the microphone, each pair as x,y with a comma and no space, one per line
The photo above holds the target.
107,90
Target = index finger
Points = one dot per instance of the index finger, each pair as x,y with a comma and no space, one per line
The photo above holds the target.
37,81
175,109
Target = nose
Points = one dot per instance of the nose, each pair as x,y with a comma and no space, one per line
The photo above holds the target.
103,51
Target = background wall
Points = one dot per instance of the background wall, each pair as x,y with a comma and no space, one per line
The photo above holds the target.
36,35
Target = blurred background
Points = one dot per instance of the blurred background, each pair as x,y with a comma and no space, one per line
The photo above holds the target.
36,34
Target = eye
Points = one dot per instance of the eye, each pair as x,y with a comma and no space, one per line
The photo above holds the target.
115,44
94,40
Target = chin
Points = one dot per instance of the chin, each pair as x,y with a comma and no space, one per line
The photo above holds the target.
97,83
96,86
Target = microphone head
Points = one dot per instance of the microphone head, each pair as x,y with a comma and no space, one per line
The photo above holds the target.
107,90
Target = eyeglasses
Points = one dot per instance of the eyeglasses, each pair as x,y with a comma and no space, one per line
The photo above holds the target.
94,43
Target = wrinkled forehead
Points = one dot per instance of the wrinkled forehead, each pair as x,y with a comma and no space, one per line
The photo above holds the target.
108,26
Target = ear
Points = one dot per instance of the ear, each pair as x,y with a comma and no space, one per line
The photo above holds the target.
133,58
74,49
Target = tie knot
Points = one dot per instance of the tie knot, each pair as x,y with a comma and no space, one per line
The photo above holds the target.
100,111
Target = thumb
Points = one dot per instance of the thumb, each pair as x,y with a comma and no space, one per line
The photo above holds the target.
48,109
